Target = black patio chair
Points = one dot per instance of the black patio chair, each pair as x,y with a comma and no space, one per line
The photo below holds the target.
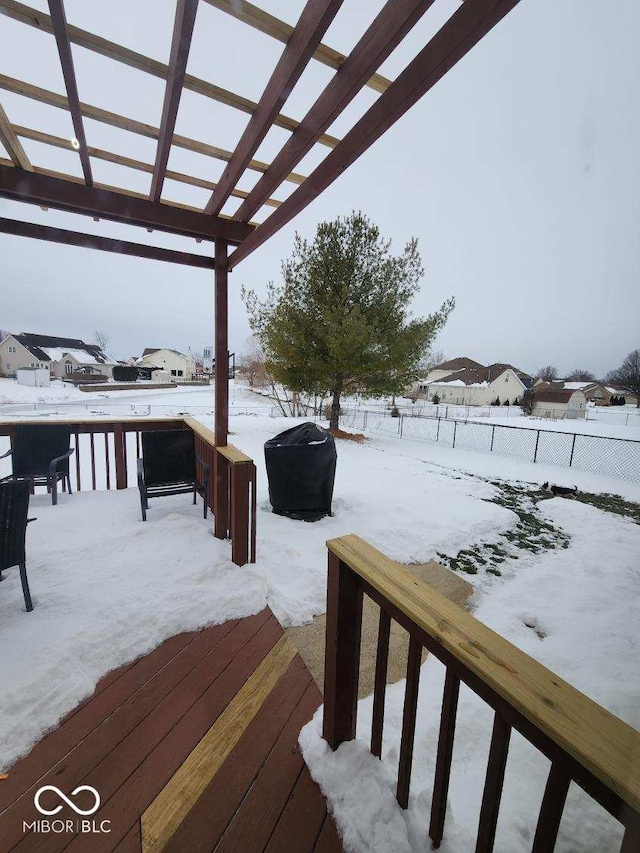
168,467
40,454
14,506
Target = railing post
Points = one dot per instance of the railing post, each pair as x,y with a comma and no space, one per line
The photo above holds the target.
342,653
438,432
455,424
240,478
535,452
493,433
119,438
221,496
573,447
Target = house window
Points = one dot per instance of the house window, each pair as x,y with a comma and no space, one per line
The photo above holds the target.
8,366
68,367
12,349
506,378
174,373
180,373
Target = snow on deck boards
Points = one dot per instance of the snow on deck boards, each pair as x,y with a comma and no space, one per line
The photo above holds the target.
210,719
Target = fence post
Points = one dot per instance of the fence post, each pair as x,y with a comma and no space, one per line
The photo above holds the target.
364,425
438,431
493,432
400,425
535,452
342,655
455,424
573,446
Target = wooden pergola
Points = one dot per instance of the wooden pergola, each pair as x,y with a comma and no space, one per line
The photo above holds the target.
22,180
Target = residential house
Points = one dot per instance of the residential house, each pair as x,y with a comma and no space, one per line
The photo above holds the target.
558,403
468,383
62,356
173,364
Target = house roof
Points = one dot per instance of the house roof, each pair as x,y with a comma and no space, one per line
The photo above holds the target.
498,365
480,376
555,395
151,350
458,364
54,348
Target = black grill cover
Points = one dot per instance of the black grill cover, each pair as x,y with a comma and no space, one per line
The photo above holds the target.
301,467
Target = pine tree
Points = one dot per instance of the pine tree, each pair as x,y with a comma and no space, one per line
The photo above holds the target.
341,323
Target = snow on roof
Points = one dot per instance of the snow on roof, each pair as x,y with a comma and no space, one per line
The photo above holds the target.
578,386
58,353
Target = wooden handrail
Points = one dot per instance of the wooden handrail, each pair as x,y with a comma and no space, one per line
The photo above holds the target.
595,748
232,487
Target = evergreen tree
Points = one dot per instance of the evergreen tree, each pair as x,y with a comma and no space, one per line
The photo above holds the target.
340,323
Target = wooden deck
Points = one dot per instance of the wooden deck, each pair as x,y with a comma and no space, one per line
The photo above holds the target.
192,747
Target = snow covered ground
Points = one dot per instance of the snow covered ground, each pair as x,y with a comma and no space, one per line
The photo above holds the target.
108,588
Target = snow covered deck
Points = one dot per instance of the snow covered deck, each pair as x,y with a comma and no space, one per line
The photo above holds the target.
191,747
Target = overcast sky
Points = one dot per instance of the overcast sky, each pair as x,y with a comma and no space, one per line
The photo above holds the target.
519,173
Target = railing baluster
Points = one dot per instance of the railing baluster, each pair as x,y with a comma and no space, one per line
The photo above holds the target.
342,653
493,785
253,513
414,660
77,455
137,444
93,461
379,691
106,459
555,794
443,761
631,840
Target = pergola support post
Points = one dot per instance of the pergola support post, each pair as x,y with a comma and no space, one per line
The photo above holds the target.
221,418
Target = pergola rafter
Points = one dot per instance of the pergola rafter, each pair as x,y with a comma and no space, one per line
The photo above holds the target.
44,96
60,31
314,22
280,30
385,33
182,33
470,23
119,53
9,139
129,162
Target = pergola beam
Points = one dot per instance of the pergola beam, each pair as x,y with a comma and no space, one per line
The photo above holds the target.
60,31
119,53
34,188
454,40
386,32
314,21
44,96
182,34
104,244
10,140
280,30
129,162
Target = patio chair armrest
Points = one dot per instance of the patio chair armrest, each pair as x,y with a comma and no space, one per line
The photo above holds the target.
8,453
31,519
54,462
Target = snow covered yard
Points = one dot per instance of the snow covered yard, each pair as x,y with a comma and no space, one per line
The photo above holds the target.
108,588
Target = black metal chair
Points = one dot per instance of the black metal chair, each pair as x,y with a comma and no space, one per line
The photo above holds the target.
14,506
169,467
40,454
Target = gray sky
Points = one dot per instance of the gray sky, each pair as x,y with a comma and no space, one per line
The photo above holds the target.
519,173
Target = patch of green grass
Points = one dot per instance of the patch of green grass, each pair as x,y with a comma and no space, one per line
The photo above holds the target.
533,534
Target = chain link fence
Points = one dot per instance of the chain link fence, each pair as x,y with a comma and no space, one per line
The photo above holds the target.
609,457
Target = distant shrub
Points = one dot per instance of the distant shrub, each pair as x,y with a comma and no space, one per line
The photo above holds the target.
435,398
122,373
395,413
506,403
496,402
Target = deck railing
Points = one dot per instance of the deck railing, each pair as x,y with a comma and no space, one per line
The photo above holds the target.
106,449
584,742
